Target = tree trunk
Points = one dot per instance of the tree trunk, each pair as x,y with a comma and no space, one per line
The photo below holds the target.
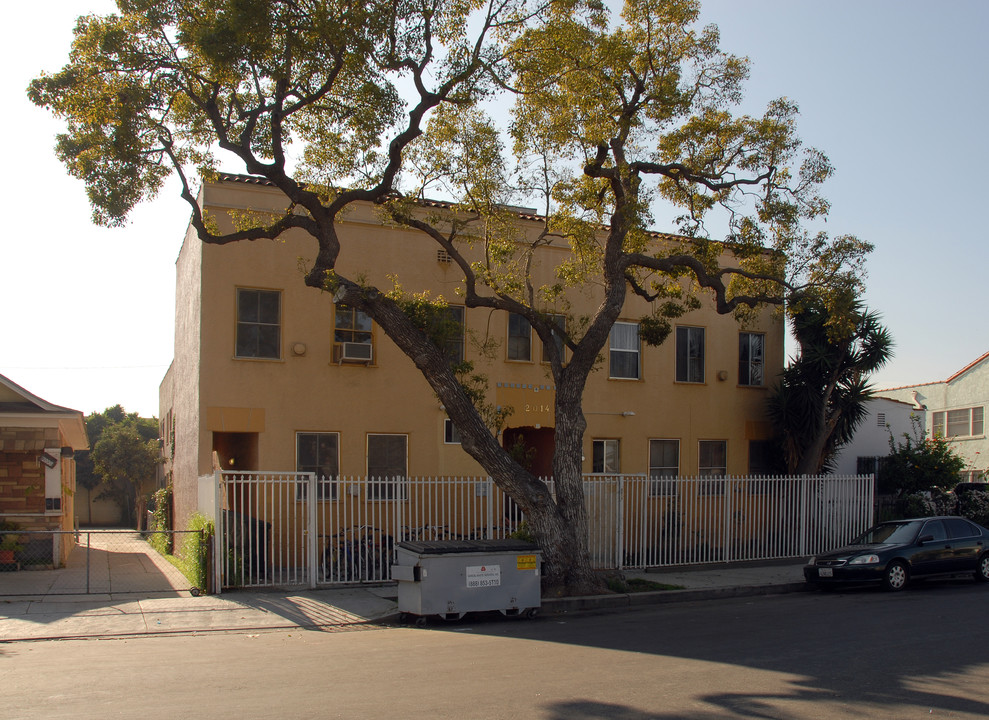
560,524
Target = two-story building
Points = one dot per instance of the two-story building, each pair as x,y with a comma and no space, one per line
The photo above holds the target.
269,374
956,410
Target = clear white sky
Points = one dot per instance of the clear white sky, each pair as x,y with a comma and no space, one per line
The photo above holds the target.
894,91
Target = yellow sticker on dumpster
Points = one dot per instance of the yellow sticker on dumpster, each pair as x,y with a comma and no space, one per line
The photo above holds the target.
525,562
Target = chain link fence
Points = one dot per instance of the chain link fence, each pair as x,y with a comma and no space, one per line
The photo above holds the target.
100,561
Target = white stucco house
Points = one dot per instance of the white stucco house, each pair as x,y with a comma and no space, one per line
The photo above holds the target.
886,416
956,410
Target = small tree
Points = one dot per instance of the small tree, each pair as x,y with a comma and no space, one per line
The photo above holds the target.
919,471
124,456
821,397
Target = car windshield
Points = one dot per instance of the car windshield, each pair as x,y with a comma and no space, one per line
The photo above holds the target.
889,533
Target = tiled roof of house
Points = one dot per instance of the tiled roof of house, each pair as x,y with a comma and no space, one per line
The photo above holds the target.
968,367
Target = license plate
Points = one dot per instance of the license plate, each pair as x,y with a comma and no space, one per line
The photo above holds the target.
825,572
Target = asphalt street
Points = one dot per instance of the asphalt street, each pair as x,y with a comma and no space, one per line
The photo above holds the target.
860,653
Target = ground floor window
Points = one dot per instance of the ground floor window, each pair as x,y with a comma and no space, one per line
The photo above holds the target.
387,466
605,456
664,467
319,453
712,461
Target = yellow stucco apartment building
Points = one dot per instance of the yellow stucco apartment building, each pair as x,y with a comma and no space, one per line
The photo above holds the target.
269,375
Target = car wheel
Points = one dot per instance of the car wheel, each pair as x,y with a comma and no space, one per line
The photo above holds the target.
982,573
896,576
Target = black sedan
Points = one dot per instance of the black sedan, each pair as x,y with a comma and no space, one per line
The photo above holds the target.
893,553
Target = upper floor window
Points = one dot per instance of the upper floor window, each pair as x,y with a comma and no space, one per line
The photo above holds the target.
690,354
319,453
451,436
959,423
454,334
259,331
519,338
558,321
751,358
352,336
624,358
604,456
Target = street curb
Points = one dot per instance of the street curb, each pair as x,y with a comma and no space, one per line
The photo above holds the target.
552,607
588,603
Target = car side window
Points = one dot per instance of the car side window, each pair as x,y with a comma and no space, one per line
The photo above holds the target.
935,528
958,528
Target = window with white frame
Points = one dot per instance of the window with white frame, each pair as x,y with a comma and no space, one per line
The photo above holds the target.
519,338
259,330
352,334
664,467
318,453
605,456
387,465
751,358
964,422
451,436
625,346
712,463
712,458
690,354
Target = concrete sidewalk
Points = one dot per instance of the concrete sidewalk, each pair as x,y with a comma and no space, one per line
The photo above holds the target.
48,616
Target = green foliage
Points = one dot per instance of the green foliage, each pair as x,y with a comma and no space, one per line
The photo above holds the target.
195,557
385,102
124,455
925,503
475,385
160,539
523,532
974,506
821,397
918,463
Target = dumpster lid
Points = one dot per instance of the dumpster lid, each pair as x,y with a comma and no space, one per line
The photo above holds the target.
439,547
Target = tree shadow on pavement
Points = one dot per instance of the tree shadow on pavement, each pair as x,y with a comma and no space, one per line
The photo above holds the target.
923,650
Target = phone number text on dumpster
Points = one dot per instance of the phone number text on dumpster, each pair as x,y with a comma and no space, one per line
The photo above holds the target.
479,576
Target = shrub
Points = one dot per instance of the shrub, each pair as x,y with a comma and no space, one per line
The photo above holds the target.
195,555
975,506
925,503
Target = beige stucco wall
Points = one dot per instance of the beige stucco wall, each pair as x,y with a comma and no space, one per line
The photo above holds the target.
209,390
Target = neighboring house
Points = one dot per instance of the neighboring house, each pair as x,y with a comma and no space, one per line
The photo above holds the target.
871,442
37,471
269,374
956,410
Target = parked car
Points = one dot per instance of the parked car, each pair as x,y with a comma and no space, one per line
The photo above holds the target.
893,553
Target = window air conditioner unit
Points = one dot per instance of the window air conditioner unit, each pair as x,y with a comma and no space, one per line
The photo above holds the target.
355,351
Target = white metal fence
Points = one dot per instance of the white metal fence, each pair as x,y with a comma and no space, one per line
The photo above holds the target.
277,529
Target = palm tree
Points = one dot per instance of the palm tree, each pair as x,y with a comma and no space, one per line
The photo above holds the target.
821,397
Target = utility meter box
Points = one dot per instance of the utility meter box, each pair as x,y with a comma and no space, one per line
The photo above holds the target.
453,577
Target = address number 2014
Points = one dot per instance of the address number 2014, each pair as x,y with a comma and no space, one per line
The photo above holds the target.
530,407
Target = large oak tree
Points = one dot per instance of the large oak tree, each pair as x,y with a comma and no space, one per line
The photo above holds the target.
597,118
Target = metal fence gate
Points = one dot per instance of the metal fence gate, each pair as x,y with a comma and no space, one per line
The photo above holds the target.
284,529
105,561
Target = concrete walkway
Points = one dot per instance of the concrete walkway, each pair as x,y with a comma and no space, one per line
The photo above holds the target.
102,562
170,611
